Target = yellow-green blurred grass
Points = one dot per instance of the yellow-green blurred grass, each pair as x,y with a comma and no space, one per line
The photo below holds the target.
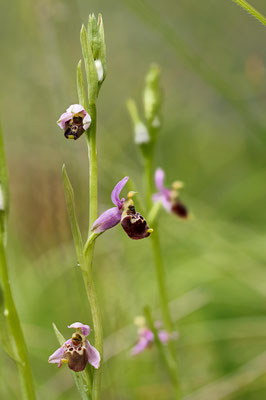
204,142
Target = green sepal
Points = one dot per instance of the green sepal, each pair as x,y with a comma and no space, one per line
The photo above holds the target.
80,378
81,87
70,203
94,36
91,73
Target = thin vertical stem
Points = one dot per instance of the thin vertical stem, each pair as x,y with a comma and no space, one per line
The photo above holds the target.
92,151
148,180
88,276
23,362
160,275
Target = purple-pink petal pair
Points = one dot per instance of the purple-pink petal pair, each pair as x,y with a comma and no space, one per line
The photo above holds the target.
133,223
77,351
146,337
169,197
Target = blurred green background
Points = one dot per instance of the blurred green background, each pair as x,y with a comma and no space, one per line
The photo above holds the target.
212,55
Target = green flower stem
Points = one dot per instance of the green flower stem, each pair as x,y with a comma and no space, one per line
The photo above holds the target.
148,179
92,151
23,363
89,250
164,354
251,10
160,275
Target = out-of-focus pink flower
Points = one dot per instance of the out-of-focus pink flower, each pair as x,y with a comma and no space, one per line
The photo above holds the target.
146,336
169,197
74,121
77,351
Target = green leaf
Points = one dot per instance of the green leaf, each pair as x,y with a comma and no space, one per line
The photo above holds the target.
4,191
80,378
81,87
70,203
91,73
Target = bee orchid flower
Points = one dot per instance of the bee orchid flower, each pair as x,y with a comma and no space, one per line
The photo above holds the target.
74,121
146,336
133,223
77,351
169,196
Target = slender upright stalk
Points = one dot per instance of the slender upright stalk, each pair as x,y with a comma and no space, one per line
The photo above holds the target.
88,277
160,275
251,10
92,152
148,179
28,391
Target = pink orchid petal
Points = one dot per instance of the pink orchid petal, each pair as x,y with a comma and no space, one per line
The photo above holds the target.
163,336
86,121
85,329
66,116
75,109
147,334
94,356
141,345
56,357
108,219
116,192
159,179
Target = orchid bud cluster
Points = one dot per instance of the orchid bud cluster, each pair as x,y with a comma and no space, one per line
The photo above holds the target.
146,131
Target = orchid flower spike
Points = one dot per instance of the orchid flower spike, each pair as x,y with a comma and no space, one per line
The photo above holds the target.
169,197
133,223
146,336
77,351
74,121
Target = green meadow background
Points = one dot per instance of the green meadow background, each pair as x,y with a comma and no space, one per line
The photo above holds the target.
212,56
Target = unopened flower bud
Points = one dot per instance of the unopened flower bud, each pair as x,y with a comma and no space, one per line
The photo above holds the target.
152,96
99,69
141,132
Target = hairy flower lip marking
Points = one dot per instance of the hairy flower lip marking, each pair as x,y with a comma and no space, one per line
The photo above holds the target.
77,351
74,121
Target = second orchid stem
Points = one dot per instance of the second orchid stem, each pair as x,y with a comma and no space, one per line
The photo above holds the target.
160,275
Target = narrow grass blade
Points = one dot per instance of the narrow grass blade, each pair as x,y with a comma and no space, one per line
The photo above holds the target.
225,386
251,10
